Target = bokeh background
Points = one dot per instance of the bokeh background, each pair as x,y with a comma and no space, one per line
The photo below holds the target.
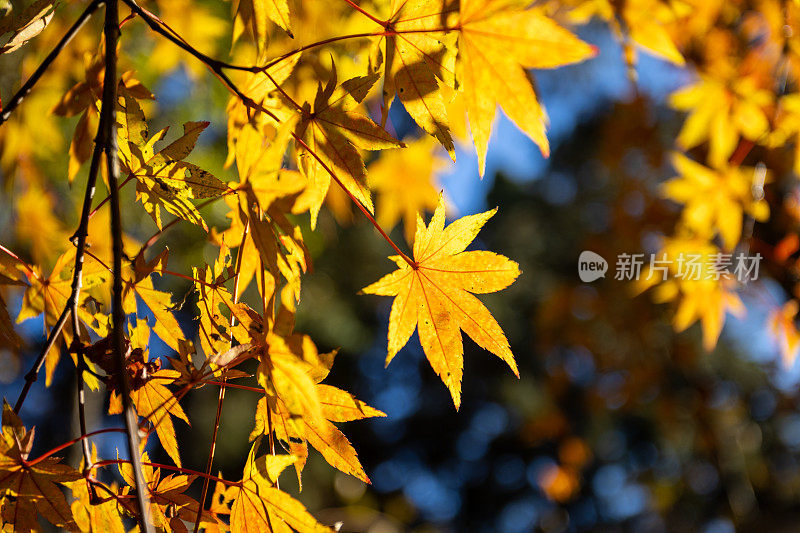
617,423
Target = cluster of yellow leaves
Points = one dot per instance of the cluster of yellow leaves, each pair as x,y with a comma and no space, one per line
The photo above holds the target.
715,200
297,129
693,284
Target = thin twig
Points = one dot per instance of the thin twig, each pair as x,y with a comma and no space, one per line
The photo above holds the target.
221,396
26,88
109,109
80,237
33,373
367,14
69,443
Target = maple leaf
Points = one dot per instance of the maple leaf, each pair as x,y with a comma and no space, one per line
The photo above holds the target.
91,514
416,55
171,507
645,22
402,178
149,393
29,489
723,106
49,295
435,296
258,506
781,323
294,434
496,43
691,283
163,179
84,98
252,15
332,130
27,25
715,200
138,282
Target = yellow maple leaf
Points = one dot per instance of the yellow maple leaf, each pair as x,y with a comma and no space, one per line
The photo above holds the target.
403,180
646,22
715,200
782,325
434,295
721,108
252,15
332,130
336,406
496,43
163,179
695,282
416,54
258,506
30,489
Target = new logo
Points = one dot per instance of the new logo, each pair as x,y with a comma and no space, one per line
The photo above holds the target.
591,266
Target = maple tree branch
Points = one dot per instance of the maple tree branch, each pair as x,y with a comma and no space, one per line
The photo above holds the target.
221,396
233,386
109,112
84,437
108,197
23,91
180,469
367,14
217,68
316,44
355,200
33,373
79,238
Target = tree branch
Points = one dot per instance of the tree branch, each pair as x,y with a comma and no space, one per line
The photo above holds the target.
33,373
26,89
109,112
221,396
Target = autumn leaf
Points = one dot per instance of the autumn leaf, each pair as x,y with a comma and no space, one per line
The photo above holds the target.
295,433
434,296
93,515
715,199
170,507
781,323
163,179
496,44
645,22
29,489
252,15
332,130
403,180
138,285
722,108
149,393
49,295
416,55
83,99
26,25
691,283
258,506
